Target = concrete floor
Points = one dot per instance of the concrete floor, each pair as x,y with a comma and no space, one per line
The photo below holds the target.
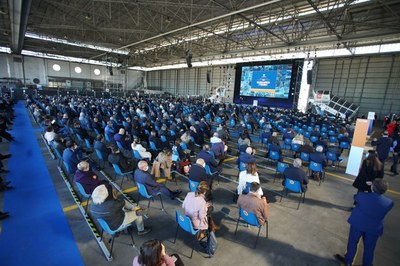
308,236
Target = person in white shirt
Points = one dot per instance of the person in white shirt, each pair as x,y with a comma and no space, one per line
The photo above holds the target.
142,150
50,134
249,175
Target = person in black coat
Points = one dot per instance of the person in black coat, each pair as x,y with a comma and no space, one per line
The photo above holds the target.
396,154
208,158
371,169
296,173
101,146
198,172
383,145
116,157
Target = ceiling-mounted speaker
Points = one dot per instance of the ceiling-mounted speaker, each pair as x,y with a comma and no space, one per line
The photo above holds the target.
36,81
208,76
189,58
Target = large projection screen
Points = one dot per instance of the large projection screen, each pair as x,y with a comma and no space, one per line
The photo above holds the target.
271,83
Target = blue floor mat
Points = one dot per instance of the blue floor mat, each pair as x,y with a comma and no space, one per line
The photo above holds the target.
37,232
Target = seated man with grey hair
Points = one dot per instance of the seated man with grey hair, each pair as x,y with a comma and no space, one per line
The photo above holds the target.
115,212
87,178
142,176
296,173
318,157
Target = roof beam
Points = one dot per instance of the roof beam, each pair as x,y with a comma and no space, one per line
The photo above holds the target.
19,12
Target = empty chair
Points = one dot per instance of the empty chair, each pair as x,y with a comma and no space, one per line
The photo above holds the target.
332,139
83,193
313,139
143,192
251,219
344,145
118,172
295,187
113,233
274,155
331,156
185,223
280,168
67,168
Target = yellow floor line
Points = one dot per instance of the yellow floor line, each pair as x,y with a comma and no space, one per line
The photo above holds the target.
230,159
128,190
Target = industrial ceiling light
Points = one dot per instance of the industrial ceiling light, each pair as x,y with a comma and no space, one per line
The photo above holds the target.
88,16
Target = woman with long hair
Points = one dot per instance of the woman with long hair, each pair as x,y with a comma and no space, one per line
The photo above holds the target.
371,168
152,253
249,175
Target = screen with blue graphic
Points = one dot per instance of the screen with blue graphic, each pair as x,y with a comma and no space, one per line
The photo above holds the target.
270,81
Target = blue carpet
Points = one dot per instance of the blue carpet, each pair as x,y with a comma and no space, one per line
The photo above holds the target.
37,233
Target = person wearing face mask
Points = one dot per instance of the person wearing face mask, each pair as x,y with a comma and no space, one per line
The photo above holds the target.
142,176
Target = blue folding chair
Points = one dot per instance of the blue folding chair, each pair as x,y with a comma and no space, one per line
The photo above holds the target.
137,155
118,172
251,219
153,146
332,139
304,156
58,154
100,156
242,166
83,193
274,156
313,139
316,167
246,190
184,146
232,122
331,156
295,147
185,223
67,168
113,233
143,192
280,168
163,138
295,187
344,145
193,185
87,143
287,144
120,147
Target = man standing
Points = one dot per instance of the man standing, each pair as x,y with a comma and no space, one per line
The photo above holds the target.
254,203
383,145
366,221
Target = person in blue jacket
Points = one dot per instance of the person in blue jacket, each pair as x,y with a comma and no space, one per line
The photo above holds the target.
366,221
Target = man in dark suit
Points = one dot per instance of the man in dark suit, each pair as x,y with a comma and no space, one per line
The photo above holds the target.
208,158
247,157
116,157
383,145
366,221
142,176
198,173
72,155
100,145
296,173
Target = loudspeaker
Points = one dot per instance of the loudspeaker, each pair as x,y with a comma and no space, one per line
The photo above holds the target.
309,77
208,76
189,58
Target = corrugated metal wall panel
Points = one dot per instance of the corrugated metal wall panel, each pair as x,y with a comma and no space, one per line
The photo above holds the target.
371,82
